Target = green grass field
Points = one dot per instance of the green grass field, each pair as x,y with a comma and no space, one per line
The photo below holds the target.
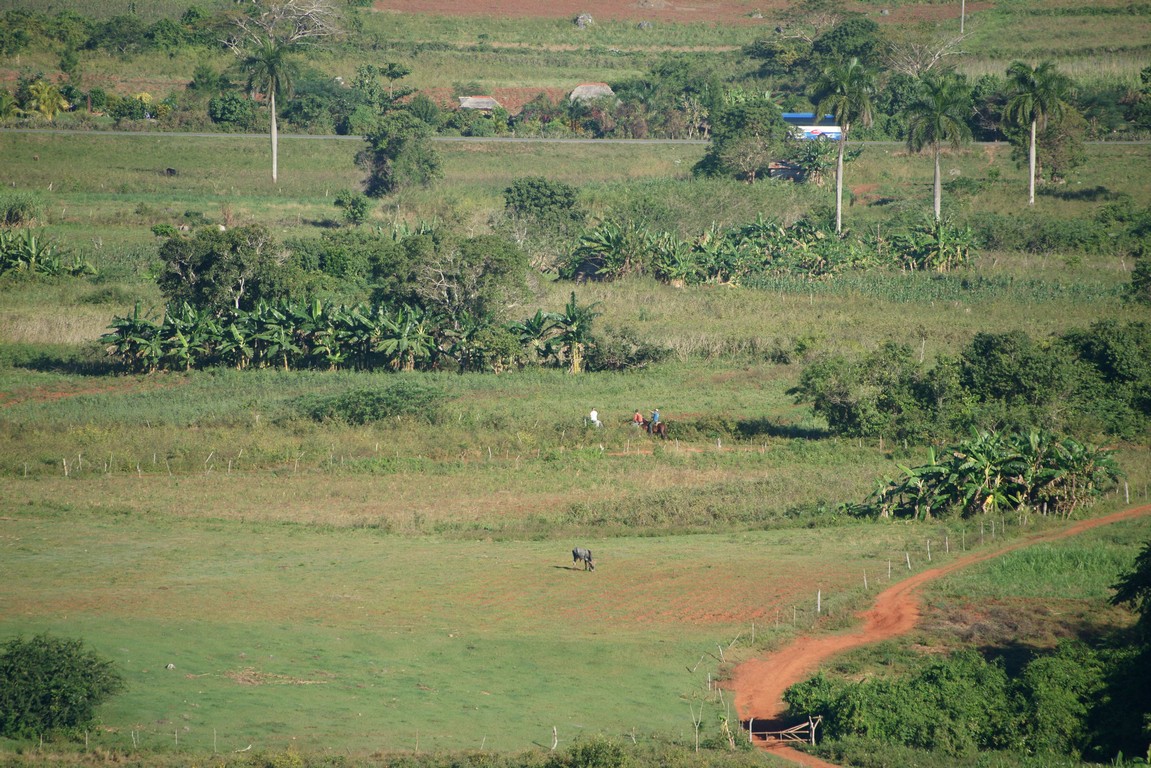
383,588
343,592
338,639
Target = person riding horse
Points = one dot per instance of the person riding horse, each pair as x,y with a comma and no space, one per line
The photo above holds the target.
654,426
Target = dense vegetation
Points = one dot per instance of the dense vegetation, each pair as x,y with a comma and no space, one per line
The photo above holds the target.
1079,699
51,685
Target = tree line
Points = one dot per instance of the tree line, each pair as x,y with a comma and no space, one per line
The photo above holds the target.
1094,380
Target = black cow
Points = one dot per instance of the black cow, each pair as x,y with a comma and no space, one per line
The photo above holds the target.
579,554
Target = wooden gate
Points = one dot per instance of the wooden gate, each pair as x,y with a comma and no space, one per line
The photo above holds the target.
804,732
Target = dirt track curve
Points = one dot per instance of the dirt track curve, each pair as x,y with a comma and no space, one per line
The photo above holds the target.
759,683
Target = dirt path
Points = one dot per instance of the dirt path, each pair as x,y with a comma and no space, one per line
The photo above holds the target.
759,683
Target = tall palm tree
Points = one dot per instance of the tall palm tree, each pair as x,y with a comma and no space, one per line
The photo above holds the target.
1038,95
45,97
271,73
844,90
937,114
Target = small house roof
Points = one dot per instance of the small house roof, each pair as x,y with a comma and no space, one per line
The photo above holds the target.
478,102
591,91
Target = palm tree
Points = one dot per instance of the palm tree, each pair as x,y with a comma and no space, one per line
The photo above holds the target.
45,97
1039,95
271,72
938,113
844,90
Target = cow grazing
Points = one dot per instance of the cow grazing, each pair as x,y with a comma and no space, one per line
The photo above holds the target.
579,554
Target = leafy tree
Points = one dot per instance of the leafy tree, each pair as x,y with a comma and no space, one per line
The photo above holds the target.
1134,589
954,705
1058,690
52,684
856,37
206,79
1012,368
232,110
478,277
423,107
844,90
1139,105
1139,291
1061,147
543,202
1038,94
367,406
939,114
399,154
746,136
223,271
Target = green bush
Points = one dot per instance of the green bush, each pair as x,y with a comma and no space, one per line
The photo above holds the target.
51,684
598,752
20,209
355,205
367,406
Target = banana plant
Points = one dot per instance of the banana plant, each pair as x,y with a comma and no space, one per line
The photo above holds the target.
408,338
575,334
536,334
275,334
134,341
672,259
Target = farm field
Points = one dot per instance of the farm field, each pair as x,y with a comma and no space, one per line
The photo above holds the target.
286,586
391,587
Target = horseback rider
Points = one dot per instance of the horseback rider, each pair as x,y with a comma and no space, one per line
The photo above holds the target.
638,419
655,417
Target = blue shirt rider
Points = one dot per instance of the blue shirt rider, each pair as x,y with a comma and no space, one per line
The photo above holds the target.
655,416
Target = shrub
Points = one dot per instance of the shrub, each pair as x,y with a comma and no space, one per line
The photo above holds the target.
355,205
598,752
51,684
20,209
366,406
543,201
1139,291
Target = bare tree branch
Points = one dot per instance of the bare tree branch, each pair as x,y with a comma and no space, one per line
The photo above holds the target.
914,57
285,22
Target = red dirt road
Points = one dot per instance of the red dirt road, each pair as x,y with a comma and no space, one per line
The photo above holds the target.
759,683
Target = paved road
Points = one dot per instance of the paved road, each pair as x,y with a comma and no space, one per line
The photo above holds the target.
444,139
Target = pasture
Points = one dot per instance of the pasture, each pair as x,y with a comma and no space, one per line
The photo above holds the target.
352,640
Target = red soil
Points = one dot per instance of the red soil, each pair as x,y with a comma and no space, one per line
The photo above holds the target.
127,385
759,684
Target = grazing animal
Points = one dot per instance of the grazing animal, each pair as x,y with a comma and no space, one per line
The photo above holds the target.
579,554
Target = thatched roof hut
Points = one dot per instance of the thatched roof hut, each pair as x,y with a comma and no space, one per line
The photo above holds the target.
591,92
485,103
